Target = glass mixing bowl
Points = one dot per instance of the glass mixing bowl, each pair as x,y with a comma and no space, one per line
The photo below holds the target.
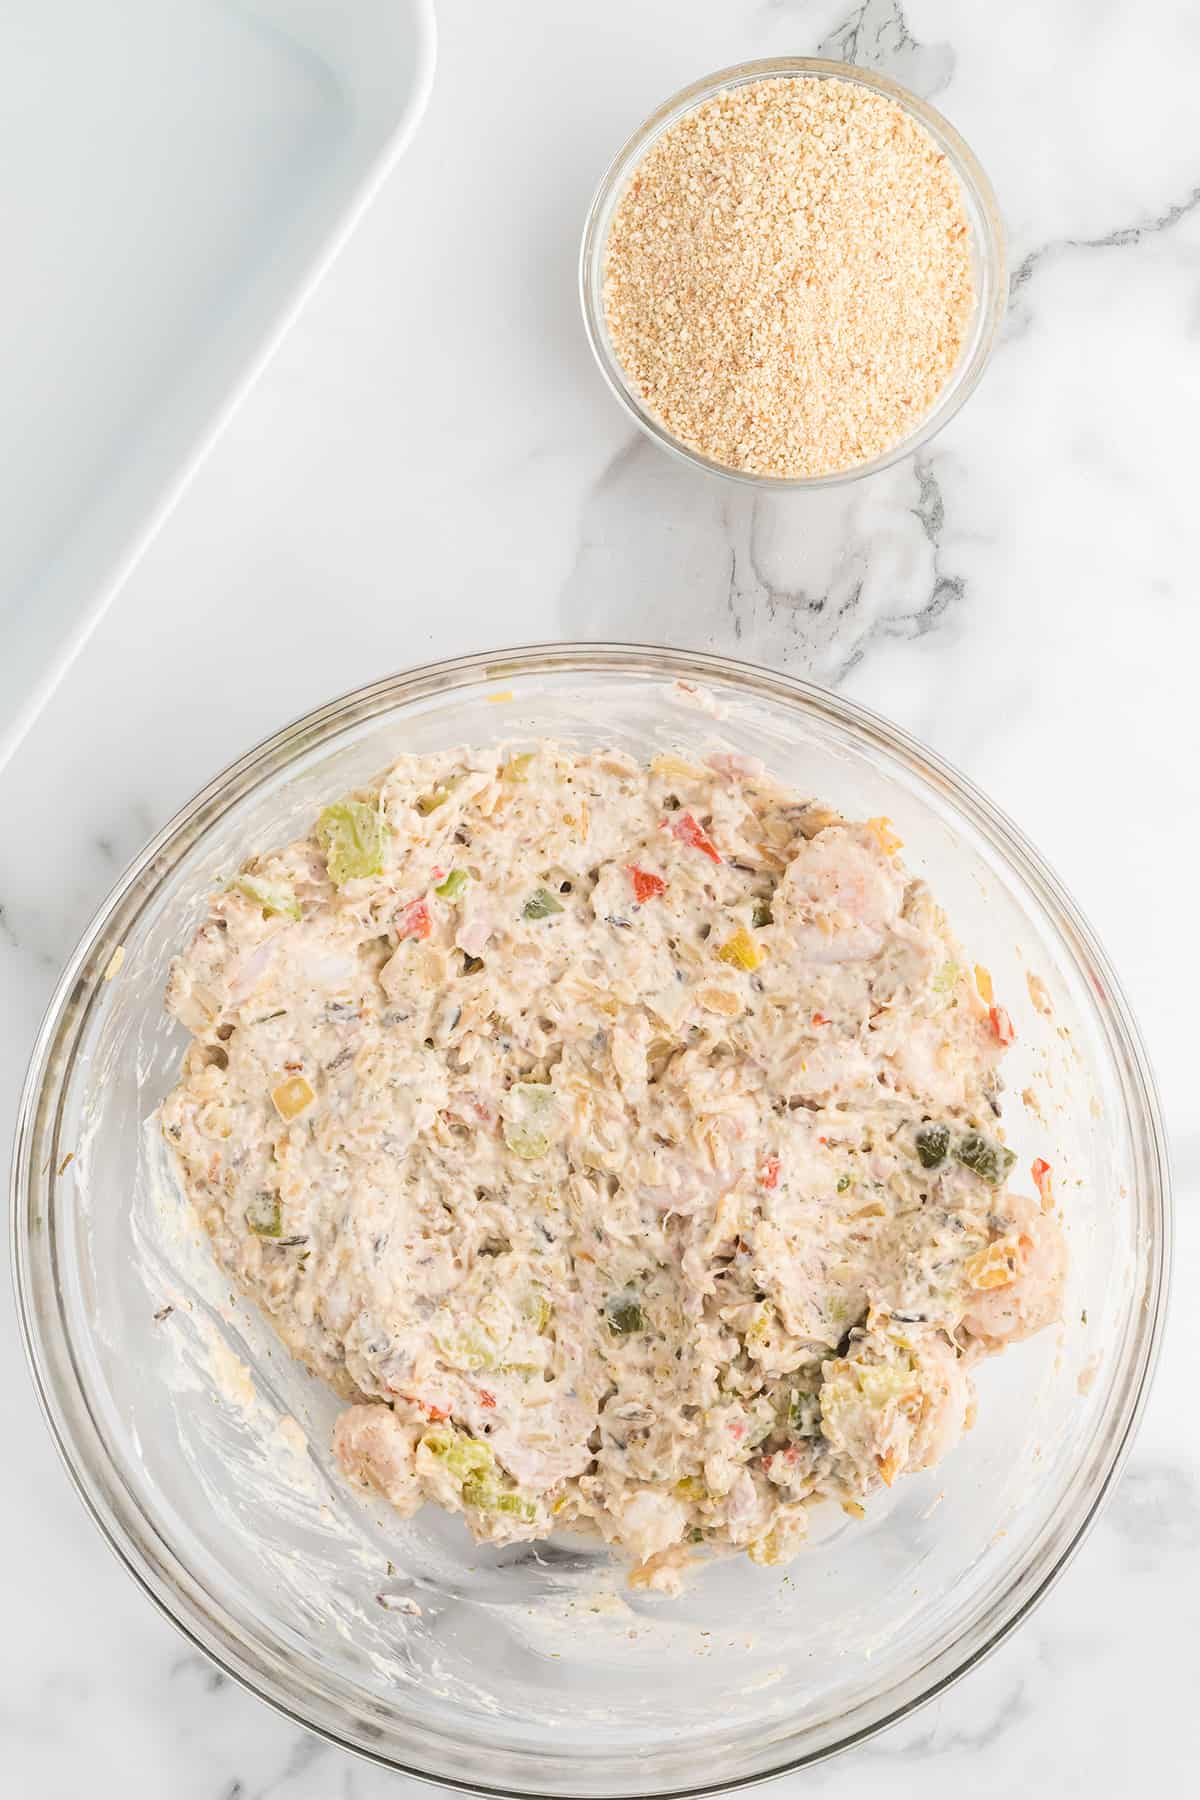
987,261
202,1450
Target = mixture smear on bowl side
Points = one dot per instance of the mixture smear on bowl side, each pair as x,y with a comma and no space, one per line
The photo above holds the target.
621,1142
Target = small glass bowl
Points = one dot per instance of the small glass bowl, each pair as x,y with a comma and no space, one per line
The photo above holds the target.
529,1670
987,261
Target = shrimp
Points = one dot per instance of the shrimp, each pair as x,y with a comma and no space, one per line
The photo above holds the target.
1005,1315
838,898
373,1447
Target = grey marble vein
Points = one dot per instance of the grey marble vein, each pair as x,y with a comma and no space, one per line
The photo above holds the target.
1015,1707
803,581
944,590
305,1751
197,1667
1156,1509
876,36
1119,238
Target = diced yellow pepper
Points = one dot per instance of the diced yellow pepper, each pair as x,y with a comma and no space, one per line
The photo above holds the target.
674,768
719,1000
517,767
292,1096
885,837
741,950
983,982
766,1551
993,1267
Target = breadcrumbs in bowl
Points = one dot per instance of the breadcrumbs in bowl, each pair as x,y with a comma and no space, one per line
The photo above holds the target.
793,273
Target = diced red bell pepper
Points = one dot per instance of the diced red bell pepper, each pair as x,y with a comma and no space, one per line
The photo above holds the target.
646,886
689,831
437,1415
414,921
768,1175
1002,1025
1041,1180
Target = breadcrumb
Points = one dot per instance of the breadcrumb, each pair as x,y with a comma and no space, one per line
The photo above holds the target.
788,277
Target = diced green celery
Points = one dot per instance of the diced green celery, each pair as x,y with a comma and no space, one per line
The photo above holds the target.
438,796
624,1313
264,1215
351,833
464,1457
473,1463
517,767
485,1493
881,1383
760,1430
529,1110
762,914
840,1400
944,980
933,1145
539,1312
843,1183
466,1349
452,887
804,1414
760,1325
540,905
985,1157
275,897
508,1501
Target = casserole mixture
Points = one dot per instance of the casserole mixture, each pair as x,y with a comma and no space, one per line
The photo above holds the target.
622,1143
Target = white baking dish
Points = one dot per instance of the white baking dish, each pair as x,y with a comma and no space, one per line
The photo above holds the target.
175,176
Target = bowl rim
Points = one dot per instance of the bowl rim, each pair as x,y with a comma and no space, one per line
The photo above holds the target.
986,317
162,1576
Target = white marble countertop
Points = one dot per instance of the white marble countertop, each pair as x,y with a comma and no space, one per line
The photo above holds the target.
432,465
